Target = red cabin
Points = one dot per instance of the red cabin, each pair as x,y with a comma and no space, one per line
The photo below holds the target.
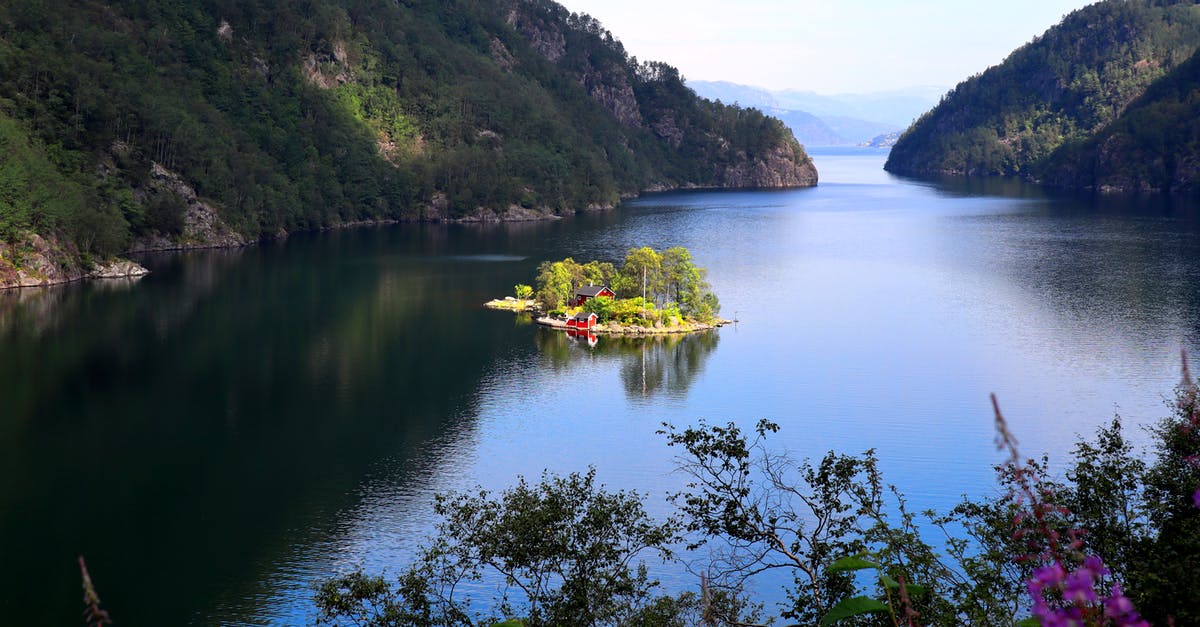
592,291
582,320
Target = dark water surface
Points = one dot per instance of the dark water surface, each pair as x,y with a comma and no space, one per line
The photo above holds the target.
219,435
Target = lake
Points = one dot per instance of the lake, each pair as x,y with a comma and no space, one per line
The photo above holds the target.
217,436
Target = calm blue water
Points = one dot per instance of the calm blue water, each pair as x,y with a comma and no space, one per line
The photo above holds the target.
241,424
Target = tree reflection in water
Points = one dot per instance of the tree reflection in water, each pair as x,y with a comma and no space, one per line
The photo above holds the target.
649,364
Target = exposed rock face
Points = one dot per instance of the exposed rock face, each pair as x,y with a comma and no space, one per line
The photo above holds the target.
783,166
611,88
118,269
666,129
548,42
202,226
438,211
501,55
513,213
607,85
36,261
326,73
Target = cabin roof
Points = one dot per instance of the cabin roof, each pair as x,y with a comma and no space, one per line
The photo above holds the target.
583,315
591,290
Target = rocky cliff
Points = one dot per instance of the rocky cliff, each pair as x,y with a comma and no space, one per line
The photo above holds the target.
201,226
779,167
30,260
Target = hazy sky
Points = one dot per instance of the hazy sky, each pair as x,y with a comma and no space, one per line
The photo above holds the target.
828,46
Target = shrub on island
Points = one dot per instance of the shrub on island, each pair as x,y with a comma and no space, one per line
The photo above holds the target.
651,287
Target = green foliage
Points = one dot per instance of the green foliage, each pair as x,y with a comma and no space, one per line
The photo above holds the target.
164,214
602,306
301,114
634,311
767,512
1172,546
640,273
1153,145
670,279
565,550
34,194
522,291
850,608
1106,489
1055,91
670,315
556,282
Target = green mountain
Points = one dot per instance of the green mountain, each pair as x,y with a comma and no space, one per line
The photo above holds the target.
1153,146
169,123
1053,94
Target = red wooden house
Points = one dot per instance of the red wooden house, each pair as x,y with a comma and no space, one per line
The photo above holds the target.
592,291
582,320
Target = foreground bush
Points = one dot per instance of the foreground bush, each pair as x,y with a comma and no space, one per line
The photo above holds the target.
1116,542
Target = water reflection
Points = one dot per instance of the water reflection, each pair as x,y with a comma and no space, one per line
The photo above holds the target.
214,418
649,364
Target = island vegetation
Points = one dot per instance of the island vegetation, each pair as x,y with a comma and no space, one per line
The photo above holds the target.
650,292
1104,100
1114,542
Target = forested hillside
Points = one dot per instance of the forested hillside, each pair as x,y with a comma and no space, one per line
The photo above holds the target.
1058,90
1154,145
162,123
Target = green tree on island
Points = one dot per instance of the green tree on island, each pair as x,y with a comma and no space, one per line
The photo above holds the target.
670,282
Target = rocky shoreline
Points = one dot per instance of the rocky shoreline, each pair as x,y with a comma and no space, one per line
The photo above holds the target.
38,261
35,261
634,330
516,305
508,303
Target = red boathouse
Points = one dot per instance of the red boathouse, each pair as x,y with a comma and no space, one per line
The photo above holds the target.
592,291
582,320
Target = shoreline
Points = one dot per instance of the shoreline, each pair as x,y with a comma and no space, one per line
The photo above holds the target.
61,268
634,330
515,305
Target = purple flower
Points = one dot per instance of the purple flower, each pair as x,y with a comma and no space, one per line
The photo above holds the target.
1080,587
1196,497
1051,575
1080,604
1119,609
1095,564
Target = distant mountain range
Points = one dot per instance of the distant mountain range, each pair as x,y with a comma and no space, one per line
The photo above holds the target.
829,120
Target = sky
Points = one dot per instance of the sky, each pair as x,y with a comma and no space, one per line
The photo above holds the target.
829,46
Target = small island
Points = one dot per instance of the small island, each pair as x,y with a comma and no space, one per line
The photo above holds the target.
652,292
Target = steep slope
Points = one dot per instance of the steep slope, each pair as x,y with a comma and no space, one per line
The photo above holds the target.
1060,88
179,122
1153,146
